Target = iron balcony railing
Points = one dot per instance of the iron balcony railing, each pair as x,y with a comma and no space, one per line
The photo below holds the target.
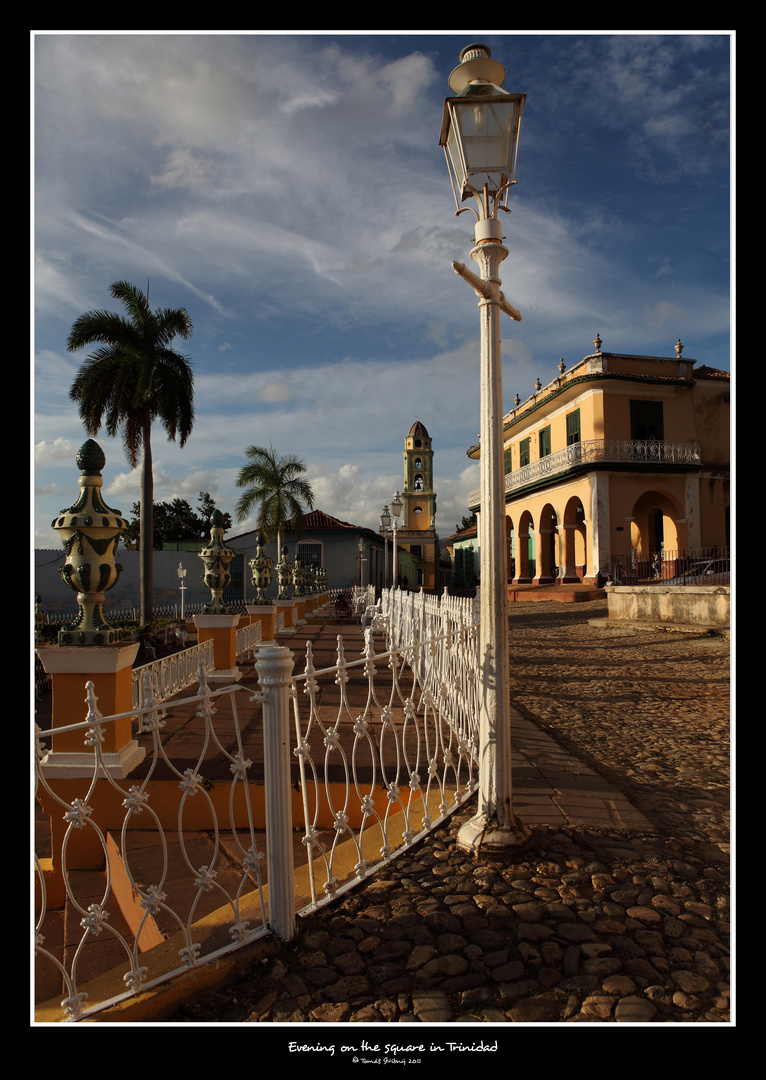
648,452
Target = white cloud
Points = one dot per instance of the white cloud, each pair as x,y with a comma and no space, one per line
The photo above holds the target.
664,313
289,190
59,450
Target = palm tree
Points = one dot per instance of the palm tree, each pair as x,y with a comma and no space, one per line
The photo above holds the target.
132,380
277,486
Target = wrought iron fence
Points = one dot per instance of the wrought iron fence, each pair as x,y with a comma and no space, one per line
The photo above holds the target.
166,910
170,675
393,759
701,566
384,745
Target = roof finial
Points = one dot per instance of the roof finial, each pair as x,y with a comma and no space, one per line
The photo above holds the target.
679,348
597,342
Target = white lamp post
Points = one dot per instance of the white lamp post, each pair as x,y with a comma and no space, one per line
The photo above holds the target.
480,131
181,575
385,527
396,513
361,560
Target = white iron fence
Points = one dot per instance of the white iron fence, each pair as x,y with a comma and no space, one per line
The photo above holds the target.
392,755
170,675
380,748
162,909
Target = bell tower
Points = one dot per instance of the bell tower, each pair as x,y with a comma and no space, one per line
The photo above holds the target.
418,531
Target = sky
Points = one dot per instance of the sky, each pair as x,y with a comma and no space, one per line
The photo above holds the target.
288,189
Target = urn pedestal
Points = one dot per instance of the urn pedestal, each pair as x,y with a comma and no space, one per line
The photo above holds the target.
223,631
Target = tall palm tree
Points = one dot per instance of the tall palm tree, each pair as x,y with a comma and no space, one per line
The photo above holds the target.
277,486
134,379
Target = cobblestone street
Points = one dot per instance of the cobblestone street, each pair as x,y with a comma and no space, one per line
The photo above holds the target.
588,925
649,709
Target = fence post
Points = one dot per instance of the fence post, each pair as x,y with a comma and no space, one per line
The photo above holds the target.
274,665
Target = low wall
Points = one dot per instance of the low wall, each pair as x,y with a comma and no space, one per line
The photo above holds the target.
696,605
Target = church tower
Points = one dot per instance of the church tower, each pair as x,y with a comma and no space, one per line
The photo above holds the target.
418,531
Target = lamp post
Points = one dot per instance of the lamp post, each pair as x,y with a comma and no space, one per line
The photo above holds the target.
361,560
480,131
396,513
181,575
385,528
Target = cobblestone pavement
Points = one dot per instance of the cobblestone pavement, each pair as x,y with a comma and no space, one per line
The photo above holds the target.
586,925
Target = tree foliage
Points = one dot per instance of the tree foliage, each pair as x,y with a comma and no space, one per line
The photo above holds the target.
131,380
468,522
176,522
277,487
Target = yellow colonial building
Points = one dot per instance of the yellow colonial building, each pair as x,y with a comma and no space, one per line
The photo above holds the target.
620,457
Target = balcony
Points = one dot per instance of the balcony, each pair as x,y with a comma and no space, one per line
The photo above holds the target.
596,452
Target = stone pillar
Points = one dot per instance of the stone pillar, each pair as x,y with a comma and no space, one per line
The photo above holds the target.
288,608
110,671
567,553
265,614
523,575
599,534
223,631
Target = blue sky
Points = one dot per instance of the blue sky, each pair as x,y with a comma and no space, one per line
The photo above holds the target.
289,190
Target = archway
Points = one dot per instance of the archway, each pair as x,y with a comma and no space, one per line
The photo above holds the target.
525,550
547,568
654,539
574,545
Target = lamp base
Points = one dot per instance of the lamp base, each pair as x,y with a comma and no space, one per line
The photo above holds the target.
481,834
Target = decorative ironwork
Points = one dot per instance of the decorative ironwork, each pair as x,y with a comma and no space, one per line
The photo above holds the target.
649,452
161,896
380,765
393,771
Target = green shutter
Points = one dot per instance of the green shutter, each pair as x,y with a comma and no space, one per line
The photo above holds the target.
573,427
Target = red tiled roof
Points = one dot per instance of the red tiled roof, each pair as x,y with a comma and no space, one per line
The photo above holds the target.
317,519
464,534
706,372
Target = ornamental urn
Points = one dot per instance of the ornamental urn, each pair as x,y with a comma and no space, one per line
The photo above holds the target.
284,576
90,531
260,567
216,559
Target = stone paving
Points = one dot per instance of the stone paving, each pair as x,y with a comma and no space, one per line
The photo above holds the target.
617,911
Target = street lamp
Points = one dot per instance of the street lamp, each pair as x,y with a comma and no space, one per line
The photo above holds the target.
361,560
385,528
480,132
396,513
181,572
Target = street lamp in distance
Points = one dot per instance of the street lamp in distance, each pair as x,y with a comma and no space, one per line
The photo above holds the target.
385,528
396,513
181,572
